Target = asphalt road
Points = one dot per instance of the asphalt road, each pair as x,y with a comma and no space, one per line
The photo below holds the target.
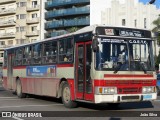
46,108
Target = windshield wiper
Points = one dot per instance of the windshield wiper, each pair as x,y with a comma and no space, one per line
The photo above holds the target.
118,67
143,67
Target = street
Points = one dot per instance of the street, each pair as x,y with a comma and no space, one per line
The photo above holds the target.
56,110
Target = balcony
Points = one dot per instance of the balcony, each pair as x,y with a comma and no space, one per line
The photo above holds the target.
60,3
8,11
33,8
6,1
68,23
68,12
32,33
33,21
7,23
56,33
5,46
7,35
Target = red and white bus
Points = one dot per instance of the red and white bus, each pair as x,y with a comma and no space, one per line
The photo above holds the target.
97,64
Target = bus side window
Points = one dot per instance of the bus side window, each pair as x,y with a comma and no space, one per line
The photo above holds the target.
50,54
19,57
37,49
67,54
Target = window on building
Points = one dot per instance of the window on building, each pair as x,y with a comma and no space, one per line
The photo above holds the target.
33,40
17,41
21,4
2,42
34,15
22,41
145,23
1,55
123,22
34,3
20,29
10,42
21,16
34,28
135,23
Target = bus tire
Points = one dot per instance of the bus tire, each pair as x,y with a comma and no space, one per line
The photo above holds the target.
113,105
66,97
19,90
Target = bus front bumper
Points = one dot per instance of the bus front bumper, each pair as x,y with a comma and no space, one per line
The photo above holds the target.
118,98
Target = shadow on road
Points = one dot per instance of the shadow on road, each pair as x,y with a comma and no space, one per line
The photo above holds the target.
122,106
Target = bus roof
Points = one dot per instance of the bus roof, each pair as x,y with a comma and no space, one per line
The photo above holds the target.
80,31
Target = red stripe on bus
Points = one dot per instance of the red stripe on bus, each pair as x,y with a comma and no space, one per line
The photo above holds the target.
125,82
126,75
65,65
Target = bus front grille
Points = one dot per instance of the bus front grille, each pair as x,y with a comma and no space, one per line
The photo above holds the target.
130,98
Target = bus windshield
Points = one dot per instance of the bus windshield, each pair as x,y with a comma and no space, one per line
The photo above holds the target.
124,55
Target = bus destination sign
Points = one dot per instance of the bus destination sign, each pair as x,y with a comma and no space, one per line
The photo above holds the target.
130,33
125,32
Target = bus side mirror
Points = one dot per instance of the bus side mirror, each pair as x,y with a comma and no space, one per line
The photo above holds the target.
95,43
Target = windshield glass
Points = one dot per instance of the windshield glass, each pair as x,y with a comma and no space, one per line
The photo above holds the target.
124,55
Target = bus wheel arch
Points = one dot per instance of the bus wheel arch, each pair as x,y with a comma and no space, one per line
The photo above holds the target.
66,96
19,92
62,81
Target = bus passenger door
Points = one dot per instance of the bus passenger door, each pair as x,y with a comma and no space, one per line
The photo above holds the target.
10,72
83,66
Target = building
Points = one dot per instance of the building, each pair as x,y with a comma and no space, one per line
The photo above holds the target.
64,16
129,13
7,25
21,21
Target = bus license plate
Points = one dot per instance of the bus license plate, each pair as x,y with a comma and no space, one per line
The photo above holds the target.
147,97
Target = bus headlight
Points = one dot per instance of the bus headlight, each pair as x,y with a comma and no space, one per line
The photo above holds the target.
105,90
148,89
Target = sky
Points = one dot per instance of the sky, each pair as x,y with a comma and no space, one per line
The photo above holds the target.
157,2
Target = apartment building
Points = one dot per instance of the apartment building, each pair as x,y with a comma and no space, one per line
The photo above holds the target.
63,16
21,21
7,25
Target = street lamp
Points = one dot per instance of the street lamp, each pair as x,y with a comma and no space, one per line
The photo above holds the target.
20,30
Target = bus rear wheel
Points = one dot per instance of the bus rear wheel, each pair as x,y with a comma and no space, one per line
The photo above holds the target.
19,90
66,97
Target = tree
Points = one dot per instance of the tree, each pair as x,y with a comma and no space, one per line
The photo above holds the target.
157,61
152,1
72,29
156,29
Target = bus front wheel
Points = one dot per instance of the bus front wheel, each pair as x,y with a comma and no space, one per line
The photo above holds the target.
19,90
66,97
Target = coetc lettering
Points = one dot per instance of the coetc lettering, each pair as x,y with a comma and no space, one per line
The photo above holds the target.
138,41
